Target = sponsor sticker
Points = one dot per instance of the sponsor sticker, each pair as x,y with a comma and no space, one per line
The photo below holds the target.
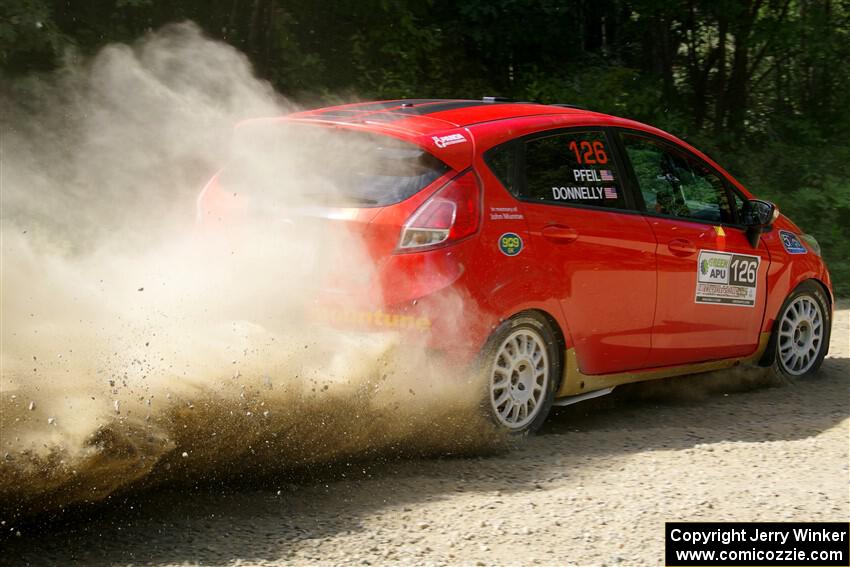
366,318
791,243
727,279
450,140
510,244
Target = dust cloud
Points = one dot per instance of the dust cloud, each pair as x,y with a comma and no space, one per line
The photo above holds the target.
138,350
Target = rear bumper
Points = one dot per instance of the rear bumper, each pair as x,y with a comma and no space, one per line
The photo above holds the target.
425,299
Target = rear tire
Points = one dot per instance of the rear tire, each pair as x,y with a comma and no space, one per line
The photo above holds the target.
522,366
802,332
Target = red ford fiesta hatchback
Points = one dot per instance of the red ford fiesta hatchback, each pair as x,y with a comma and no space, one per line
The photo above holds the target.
564,251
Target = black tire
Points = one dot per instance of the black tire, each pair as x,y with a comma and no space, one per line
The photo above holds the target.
792,338
520,368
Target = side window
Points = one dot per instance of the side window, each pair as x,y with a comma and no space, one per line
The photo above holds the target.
573,168
741,206
676,184
502,161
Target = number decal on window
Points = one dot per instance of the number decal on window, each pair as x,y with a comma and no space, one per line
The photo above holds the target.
587,153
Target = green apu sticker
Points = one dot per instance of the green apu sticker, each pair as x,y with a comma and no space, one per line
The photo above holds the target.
510,244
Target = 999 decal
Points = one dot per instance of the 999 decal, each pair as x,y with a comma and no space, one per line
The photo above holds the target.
727,279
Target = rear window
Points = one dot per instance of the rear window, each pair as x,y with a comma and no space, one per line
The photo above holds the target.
303,164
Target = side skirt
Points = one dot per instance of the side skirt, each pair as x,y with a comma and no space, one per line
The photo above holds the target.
582,397
575,383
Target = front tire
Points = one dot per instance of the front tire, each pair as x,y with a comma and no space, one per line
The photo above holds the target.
802,332
522,366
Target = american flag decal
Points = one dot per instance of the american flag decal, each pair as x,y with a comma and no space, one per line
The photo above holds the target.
606,175
610,192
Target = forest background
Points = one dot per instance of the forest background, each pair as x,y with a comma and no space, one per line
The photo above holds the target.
761,85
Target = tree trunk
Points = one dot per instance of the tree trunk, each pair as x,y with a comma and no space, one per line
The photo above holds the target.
720,82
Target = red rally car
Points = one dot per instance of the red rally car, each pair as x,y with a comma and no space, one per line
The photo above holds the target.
562,251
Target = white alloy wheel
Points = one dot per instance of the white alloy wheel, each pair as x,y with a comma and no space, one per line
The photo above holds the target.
801,333
519,379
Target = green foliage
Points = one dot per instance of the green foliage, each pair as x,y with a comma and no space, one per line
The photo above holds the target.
811,185
760,85
29,36
822,208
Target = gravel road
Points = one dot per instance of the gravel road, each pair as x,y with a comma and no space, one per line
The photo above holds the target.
595,487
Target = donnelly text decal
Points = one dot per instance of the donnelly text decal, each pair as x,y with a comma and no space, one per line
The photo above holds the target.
583,193
727,279
450,140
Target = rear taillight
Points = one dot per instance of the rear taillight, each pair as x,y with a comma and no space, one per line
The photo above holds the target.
451,214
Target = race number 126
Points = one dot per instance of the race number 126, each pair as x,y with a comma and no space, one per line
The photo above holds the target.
744,270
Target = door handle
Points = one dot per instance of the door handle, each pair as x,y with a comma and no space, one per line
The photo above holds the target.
560,234
681,247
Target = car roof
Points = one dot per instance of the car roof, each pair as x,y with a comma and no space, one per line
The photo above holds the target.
423,116
411,118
